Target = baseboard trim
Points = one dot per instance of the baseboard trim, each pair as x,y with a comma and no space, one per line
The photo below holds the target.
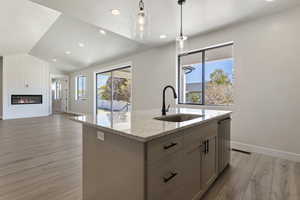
24,116
267,151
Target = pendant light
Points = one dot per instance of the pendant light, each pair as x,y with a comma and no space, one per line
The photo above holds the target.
141,22
181,40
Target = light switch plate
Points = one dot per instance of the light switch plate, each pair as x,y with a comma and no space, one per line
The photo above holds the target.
100,135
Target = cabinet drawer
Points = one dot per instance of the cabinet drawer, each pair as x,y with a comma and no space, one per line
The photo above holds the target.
158,149
165,179
193,135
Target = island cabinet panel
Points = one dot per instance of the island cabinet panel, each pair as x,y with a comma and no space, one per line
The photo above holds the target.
113,168
209,170
224,147
179,166
160,148
193,135
203,140
188,170
192,172
165,178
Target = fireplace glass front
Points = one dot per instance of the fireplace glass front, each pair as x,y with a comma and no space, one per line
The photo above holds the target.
26,99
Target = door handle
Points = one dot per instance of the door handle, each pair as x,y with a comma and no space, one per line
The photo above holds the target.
207,146
204,150
167,179
170,146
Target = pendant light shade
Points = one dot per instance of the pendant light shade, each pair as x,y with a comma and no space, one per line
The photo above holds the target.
141,29
181,40
182,44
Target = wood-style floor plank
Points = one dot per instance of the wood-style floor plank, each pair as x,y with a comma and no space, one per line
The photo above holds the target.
41,158
286,180
259,187
236,159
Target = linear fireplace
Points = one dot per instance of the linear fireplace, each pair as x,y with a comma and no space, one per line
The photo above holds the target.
26,99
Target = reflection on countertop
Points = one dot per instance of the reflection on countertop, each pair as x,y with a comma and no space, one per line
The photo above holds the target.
141,125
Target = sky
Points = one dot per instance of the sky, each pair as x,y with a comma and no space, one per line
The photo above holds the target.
195,76
102,79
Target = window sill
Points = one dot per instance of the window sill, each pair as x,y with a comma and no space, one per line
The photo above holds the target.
212,107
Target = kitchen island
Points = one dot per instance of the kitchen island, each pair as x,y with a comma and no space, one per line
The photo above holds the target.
142,156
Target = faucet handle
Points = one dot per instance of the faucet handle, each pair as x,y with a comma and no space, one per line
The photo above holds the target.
168,108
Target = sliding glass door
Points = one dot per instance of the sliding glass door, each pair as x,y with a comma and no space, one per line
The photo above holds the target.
114,90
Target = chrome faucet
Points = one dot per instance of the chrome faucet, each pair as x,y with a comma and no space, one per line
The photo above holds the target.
164,110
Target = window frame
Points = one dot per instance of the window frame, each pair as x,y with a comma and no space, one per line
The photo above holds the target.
198,51
111,72
81,98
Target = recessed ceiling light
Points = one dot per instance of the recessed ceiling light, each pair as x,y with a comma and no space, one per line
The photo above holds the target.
163,36
115,12
54,60
269,0
103,32
80,44
68,52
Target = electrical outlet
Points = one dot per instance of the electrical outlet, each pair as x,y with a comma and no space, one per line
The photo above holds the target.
100,135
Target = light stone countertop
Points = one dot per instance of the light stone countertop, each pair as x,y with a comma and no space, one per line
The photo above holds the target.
140,125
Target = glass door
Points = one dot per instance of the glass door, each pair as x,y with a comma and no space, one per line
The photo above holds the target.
114,90
104,92
121,90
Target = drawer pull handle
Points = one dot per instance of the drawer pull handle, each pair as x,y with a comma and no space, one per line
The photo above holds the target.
205,146
170,177
170,146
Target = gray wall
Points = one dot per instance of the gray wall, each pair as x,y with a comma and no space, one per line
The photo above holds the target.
266,109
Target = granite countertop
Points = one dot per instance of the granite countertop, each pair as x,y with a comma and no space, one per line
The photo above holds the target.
140,125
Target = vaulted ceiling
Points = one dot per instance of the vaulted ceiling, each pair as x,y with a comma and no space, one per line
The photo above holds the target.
72,44
22,24
66,32
199,15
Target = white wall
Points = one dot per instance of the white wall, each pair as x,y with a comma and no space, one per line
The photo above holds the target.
1,80
55,71
19,71
150,72
266,52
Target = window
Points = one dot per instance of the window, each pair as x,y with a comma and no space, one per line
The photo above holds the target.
206,76
114,90
81,88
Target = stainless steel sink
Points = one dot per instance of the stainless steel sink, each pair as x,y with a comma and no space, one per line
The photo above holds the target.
178,117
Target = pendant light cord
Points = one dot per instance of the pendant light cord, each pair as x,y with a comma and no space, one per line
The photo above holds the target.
181,2
181,20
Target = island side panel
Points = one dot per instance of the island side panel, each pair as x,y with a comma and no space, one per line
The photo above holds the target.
224,140
113,168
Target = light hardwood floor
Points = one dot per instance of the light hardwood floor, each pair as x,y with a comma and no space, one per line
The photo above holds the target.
40,159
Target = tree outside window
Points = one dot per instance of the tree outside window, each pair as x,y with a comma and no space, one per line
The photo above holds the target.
207,77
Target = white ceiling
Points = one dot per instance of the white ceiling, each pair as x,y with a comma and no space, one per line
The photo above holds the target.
22,24
25,25
199,15
66,34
